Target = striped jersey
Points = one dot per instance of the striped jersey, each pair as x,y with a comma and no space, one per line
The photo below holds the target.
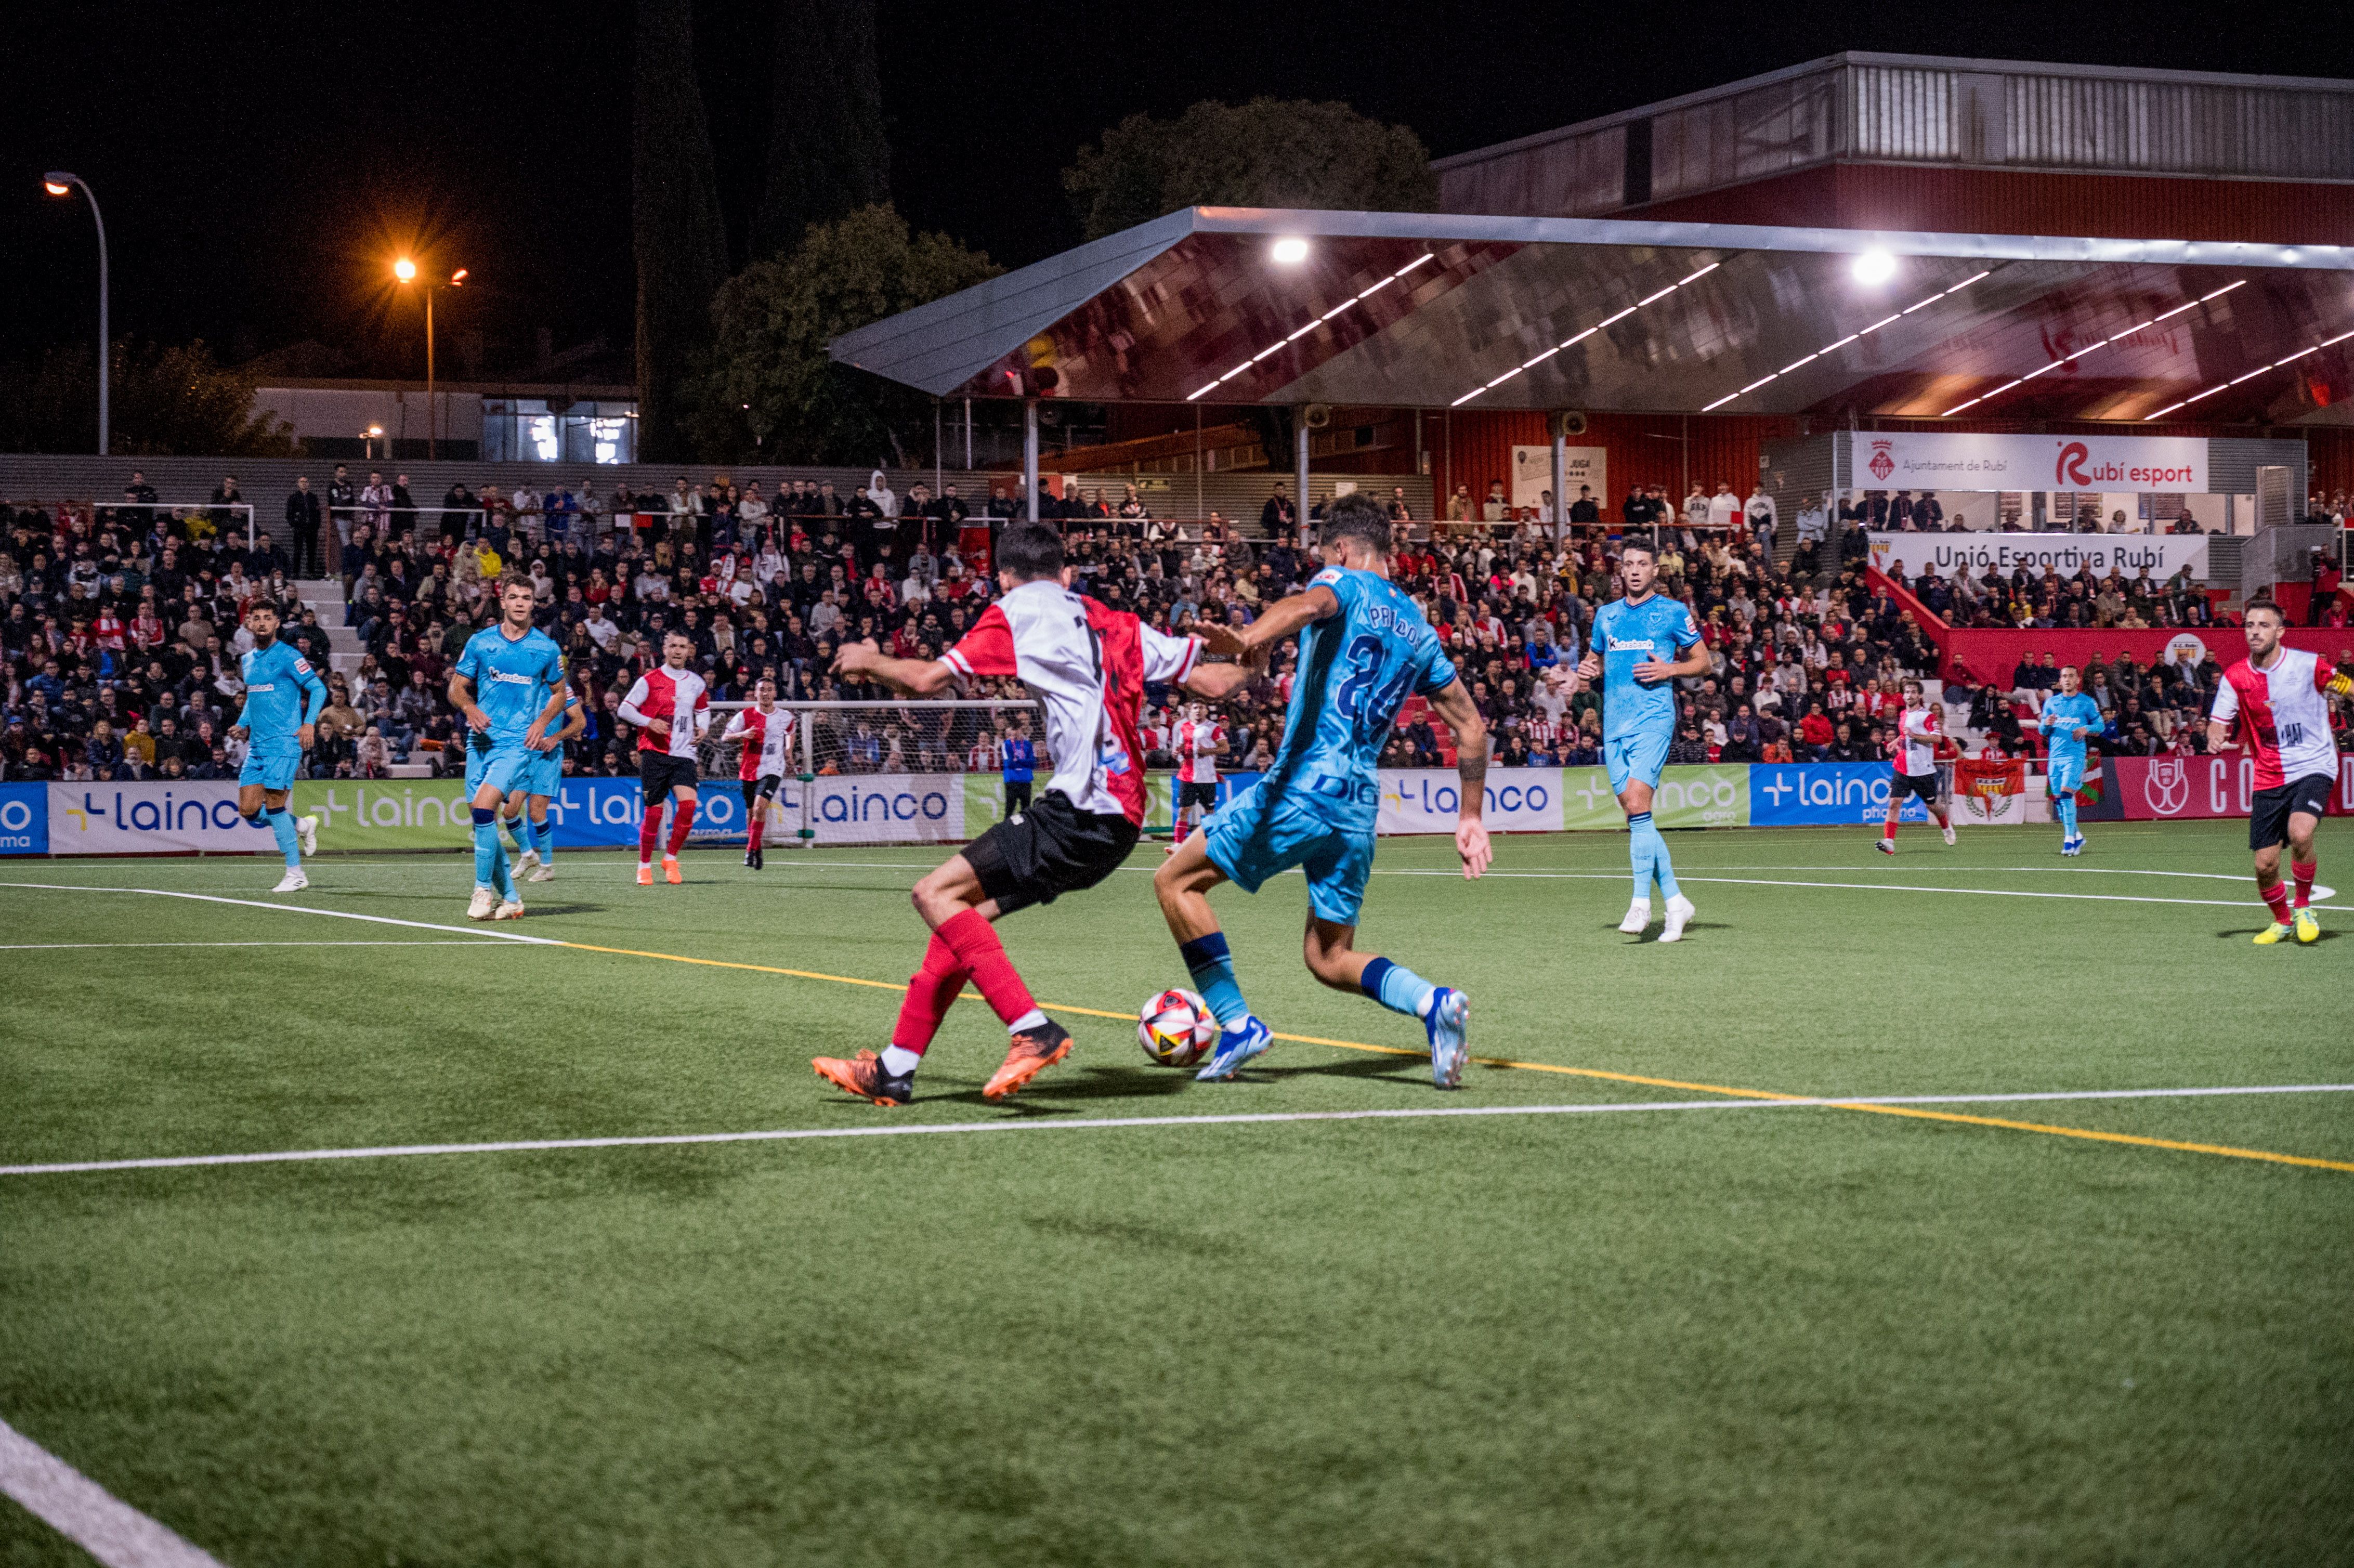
663,693
2282,716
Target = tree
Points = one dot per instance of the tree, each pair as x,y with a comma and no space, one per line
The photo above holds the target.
1269,153
773,393
679,237
826,152
165,400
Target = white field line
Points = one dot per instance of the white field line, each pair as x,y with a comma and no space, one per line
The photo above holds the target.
61,946
291,909
1097,1124
86,1513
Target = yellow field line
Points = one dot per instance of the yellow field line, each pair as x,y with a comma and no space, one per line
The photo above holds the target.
2090,1134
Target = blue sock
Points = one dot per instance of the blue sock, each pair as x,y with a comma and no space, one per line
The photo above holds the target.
1397,988
2068,815
490,860
1640,838
1662,866
281,824
1212,968
543,837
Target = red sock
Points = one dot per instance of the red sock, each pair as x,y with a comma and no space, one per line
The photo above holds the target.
680,820
976,947
2277,896
1888,829
759,821
930,992
2303,870
1941,819
648,834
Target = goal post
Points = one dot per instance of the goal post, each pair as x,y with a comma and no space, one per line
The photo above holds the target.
911,771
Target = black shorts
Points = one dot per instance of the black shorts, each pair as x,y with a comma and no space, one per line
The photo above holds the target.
661,773
1052,849
2268,820
1922,784
1203,795
759,789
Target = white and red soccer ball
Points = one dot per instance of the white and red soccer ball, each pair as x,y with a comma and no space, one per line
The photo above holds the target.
1176,1028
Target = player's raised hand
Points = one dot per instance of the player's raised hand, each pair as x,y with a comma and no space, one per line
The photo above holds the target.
1471,843
856,657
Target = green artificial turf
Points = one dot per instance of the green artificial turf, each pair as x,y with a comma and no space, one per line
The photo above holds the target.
1760,1335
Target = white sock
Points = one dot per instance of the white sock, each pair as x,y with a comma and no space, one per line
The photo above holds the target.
1027,1023
898,1060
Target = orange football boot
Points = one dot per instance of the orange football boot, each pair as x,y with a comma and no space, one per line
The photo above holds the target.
1028,1055
864,1075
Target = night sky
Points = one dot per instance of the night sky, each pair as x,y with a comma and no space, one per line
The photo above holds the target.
259,162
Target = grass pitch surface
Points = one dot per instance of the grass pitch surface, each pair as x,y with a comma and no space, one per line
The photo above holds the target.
1810,1334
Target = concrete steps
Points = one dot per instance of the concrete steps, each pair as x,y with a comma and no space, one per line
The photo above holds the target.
325,597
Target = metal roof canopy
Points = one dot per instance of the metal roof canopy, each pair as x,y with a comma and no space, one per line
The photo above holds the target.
1420,310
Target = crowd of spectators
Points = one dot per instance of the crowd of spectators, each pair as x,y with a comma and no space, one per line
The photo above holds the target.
120,626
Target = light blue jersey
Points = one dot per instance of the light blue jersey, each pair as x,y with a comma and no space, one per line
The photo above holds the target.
1356,670
1316,805
1626,633
2065,769
544,772
512,678
2062,716
283,693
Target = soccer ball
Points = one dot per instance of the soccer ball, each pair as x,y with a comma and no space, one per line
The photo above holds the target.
1176,1028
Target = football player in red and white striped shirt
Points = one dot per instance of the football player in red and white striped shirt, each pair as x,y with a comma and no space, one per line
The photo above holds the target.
1198,741
766,732
671,708
2277,703
1088,666
1912,748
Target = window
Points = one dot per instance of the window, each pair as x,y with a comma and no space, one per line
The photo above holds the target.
528,429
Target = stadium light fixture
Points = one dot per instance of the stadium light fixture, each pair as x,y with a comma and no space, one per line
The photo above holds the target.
1290,251
406,271
2251,375
1874,267
60,182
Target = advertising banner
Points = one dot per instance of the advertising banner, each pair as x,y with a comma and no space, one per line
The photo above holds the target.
1533,475
1429,800
150,819
1959,459
2066,553
1824,794
2172,788
24,819
1990,794
1699,797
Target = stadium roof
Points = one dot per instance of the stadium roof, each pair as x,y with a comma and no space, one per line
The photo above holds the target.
1418,309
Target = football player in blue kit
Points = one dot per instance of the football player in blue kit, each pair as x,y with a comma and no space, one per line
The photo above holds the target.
2069,719
1641,644
541,779
283,699
1364,648
509,684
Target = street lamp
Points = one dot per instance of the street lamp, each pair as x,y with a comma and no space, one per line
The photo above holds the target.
58,182
406,271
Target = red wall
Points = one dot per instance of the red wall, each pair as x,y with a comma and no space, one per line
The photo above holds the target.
1990,201
1645,448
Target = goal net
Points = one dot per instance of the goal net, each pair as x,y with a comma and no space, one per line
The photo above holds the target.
890,772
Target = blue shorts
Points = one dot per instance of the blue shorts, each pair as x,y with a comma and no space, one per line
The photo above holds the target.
2063,775
504,766
1260,833
1635,759
273,771
541,772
